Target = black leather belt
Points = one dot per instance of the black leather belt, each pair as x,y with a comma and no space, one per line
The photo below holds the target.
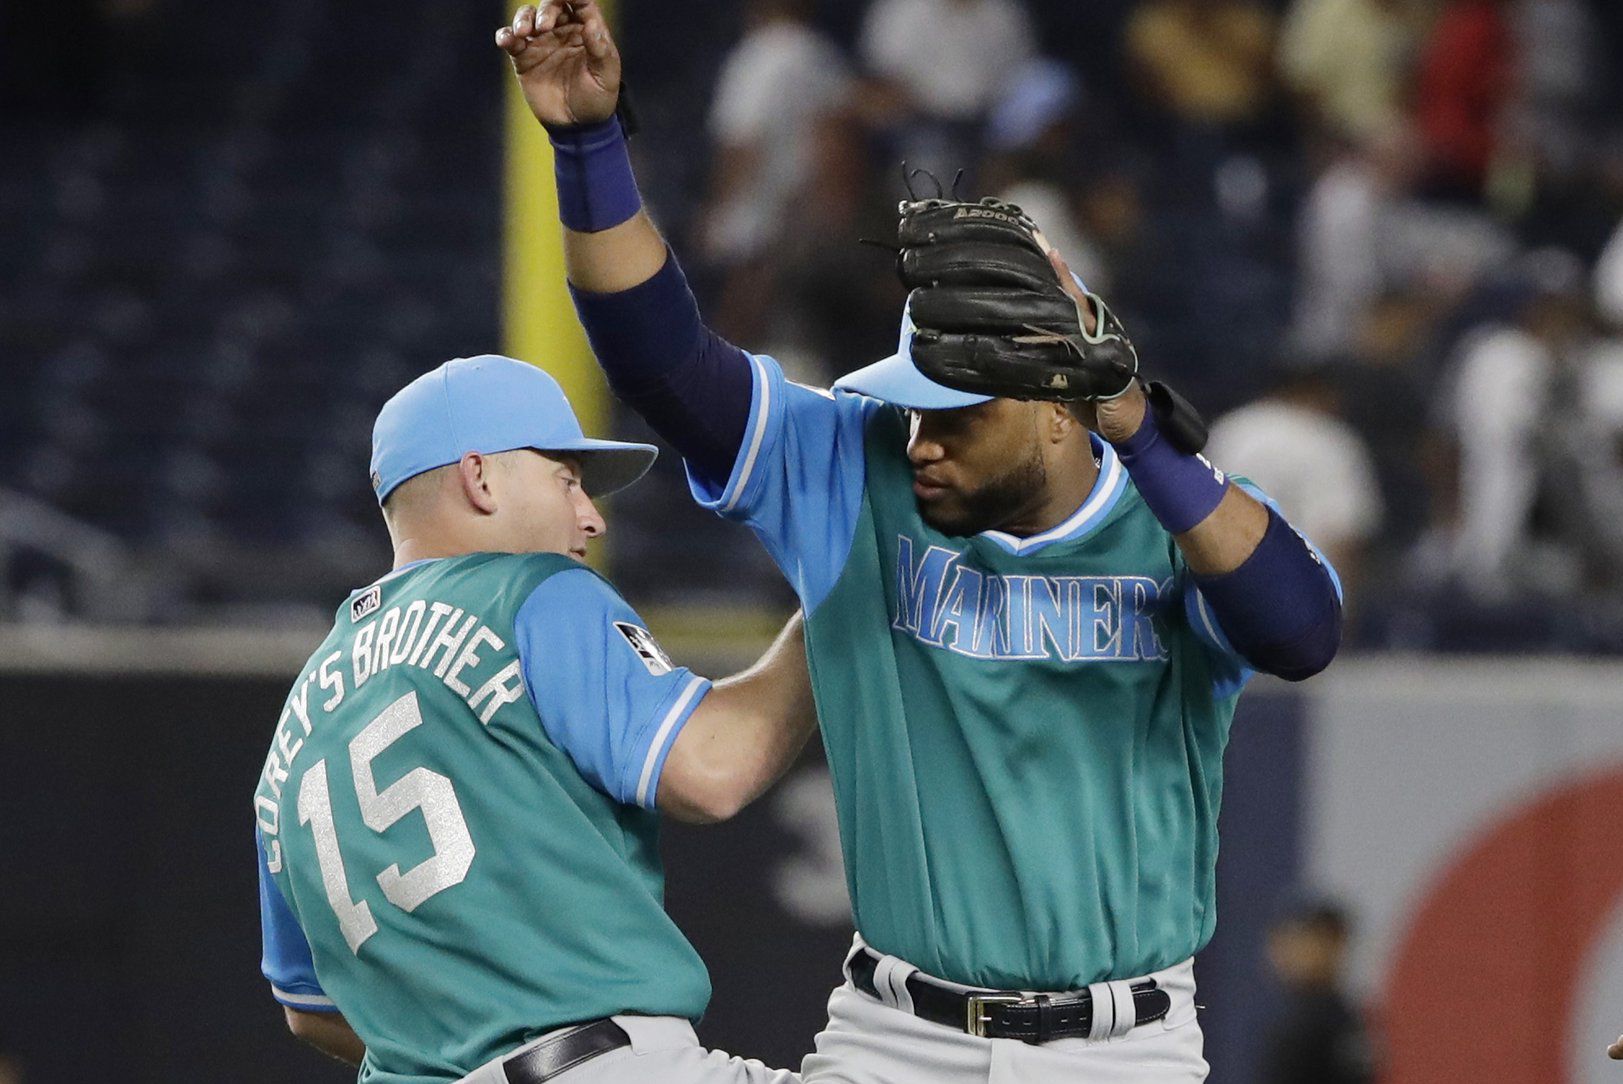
549,1058
998,1014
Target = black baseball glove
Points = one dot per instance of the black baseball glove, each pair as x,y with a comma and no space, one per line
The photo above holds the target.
991,315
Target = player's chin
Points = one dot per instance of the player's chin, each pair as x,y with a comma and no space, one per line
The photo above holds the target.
943,510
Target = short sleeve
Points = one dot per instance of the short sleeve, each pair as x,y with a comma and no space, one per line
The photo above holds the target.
286,962
607,694
799,477
1232,672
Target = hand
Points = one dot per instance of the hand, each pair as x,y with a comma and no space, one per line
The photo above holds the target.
566,61
1114,419
1615,1051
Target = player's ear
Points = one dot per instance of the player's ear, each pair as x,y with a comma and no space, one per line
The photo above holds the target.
474,478
1057,421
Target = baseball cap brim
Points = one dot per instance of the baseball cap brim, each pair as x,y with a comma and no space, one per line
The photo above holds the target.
607,466
897,380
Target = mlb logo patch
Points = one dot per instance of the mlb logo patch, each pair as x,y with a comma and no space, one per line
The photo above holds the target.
647,648
365,603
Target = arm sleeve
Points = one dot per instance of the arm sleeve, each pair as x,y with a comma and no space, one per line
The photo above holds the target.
798,478
286,962
691,385
1287,624
1279,612
607,694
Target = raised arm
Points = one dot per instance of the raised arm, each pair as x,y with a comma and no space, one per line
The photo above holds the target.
1276,602
691,385
1274,598
743,736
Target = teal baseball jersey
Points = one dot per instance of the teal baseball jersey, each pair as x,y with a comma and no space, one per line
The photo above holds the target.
1025,734
456,825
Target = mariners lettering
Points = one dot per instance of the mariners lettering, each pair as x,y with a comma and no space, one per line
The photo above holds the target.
456,647
943,603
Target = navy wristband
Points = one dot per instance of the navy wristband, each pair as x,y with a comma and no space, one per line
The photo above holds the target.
1180,489
596,188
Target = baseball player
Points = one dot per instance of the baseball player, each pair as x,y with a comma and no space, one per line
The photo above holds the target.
1029,604
459,871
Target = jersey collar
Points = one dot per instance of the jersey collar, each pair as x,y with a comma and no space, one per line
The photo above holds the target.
1107,490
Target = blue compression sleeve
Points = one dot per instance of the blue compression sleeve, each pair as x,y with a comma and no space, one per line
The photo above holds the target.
691,385
1280,609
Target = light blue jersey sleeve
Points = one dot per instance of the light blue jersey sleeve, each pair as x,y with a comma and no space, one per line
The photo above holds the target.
606,692
286,962
1232,671
798,478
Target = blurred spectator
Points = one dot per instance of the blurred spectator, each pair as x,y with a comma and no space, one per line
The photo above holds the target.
778,87
1031,136
1320,1038
1463,85
1349,62
1555,81
1524,421
1609,280
949,60
1586,462
1294,443
950,56
1205,62
1343,254
838,303
1362,231
1386,393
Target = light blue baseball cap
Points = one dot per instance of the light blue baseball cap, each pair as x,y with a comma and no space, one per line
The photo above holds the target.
897,380
491,404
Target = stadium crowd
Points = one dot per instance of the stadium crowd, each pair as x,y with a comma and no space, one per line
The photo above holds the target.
1377,241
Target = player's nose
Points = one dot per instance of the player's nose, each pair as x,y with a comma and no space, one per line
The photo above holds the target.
922,447
590,519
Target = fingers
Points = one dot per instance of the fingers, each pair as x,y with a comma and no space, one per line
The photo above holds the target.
1069,284
598,45
531,22
1615,1051
1063,270
590,16
550,14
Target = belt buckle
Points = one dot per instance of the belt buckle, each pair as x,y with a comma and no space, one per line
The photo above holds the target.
976,1015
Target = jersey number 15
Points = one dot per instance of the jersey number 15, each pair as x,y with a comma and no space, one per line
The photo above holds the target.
417,789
